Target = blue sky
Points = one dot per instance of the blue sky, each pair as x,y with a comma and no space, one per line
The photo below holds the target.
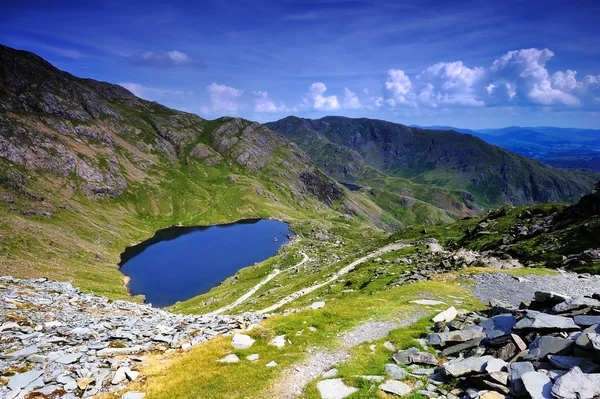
469,64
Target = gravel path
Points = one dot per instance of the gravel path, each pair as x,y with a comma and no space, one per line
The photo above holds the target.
514,290
292,297
258,286
294,380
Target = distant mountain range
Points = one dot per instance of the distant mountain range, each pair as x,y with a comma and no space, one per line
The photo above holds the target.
559,147
349,149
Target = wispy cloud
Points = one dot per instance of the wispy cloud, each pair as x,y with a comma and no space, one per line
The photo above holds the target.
167,59
153,94
224,98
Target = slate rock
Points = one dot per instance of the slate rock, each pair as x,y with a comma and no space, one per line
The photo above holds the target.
317,305
69,359
498,326
413,355
568,362
577,385
396,372
538,385
334,389
576,303
460,367
330,373
395,387
272,363
542,321
428,302
229,359
547,345
461,346
242,341
586,320
550,297
495,365
278,341
20,381
133,395
516,370
447,315
254,357
448,338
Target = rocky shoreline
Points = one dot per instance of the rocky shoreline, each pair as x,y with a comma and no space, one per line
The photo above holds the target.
56,340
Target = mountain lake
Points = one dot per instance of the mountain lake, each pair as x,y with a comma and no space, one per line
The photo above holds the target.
179,263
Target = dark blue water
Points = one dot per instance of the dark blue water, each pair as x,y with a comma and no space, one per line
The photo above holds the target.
179,263
352,187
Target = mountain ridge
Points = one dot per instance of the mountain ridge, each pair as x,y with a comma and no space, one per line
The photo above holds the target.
445,159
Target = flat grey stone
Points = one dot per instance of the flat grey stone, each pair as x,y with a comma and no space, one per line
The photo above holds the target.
586,320
552,297
254,357
577,385
334,389
516,370
461,346
272,363
278,341
229,359
242,341
428,302
28,351
330,373
538,385
396,372
452,337
459,367
583,340
498,326
133,395
542,321
495,365
395,387
317,305
390,346
568,362
447,315
547,345
70,358
20,381
576,303
120,375
413,355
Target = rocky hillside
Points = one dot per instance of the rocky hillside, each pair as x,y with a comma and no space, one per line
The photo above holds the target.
106,169
489,175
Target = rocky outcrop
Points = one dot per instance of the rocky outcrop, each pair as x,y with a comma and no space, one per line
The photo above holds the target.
56,340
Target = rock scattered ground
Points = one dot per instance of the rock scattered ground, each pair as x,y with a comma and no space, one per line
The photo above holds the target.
546,348
514,290
57,340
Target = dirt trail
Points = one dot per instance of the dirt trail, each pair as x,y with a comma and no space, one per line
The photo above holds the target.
297,377
254,289
341,272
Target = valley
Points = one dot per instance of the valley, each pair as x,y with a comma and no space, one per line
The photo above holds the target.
286,258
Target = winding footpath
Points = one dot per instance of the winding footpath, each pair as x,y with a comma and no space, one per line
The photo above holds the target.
292,297
258,286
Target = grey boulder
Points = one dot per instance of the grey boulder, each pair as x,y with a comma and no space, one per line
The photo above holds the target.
577,385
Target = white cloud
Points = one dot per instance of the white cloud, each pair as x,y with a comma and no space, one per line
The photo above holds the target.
153,94
490,88
525,70
224,98
315,98
452,83
263,103
351,101
165,59
398,88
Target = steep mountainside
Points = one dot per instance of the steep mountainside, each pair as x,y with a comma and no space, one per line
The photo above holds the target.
446,159
87,168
